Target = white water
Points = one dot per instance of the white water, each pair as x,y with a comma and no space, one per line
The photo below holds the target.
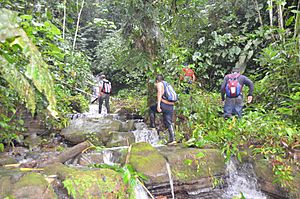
143,134
242,180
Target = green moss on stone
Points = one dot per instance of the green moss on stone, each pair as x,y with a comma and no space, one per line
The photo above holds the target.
147,160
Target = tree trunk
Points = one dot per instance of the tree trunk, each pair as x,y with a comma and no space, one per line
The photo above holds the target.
64,20
297,28
270,2
77,25
258,12
67,154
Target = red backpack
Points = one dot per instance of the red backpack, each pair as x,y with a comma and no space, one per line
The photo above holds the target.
233,88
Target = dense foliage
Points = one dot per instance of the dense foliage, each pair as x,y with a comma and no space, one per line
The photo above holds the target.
50,49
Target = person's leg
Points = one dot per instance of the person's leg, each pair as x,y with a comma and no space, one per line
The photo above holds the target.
100,98
228,107
107,103
153,110
238,107
168,111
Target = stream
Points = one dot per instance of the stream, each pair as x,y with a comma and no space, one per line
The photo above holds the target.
165,180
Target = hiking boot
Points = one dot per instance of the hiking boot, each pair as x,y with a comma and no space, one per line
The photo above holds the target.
152,120
171,134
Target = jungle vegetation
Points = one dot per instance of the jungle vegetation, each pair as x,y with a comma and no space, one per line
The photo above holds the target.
51,50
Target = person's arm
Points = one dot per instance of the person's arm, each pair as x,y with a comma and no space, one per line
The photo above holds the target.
194,77
249,83
100,88
222,90
160,92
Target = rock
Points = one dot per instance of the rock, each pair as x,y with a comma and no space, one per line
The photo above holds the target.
4,160
127,125
121,139
147,160
33,141
14,184
97,183
266,177
97,130
190,164
193,170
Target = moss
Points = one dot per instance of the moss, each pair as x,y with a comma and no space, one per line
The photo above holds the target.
94,184
191,164
5,186
31,179
84,183
147,160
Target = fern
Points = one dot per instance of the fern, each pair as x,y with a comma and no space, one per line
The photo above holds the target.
36,75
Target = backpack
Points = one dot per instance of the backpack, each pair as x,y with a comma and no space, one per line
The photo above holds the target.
233,87
106,87
169,92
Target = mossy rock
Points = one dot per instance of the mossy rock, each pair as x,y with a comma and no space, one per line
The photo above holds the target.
266,178
4,160
97,130
121,139
83,183
32,185
147,160
188,164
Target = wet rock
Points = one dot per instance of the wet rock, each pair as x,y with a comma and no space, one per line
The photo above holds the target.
20,185
193,170
147,160
121,139
33,141
96,130
266,178
97,183
5,159
127,125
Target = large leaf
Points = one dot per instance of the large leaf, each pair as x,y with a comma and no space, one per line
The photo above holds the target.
36,71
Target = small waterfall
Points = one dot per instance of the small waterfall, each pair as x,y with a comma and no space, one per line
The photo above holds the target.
170,179
242,180
143,134
108,157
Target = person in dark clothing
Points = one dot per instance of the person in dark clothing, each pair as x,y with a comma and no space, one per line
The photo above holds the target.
232,86
104,93
163,106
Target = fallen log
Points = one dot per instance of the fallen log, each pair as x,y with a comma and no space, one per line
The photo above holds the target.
61,158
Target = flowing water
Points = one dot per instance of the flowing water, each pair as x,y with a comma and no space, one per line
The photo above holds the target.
242,181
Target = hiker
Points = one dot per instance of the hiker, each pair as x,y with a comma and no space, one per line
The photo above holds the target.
105,90
232,87
189,77
166,98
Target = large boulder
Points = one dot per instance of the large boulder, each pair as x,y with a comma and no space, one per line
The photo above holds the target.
97,130
96,183
193,171
266,178
147,160
29,186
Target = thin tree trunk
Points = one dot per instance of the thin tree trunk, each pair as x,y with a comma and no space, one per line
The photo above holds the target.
297,28
280,16
64,21
258,12
77,25
270,2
